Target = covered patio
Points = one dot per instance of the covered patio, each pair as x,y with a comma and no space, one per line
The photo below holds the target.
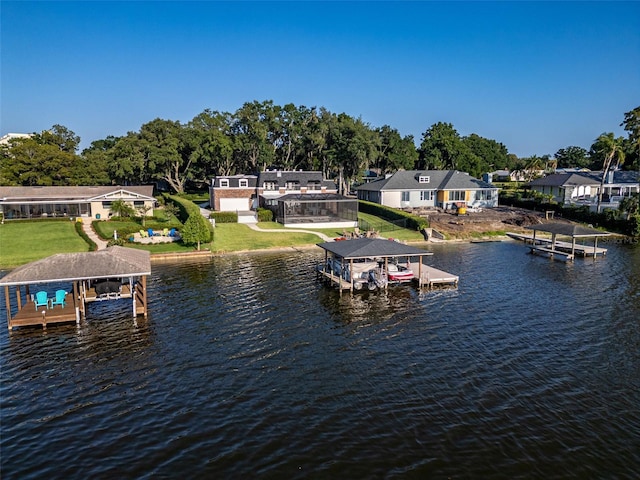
111,274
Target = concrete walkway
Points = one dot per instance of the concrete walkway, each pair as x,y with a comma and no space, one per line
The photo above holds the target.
255,227
86,226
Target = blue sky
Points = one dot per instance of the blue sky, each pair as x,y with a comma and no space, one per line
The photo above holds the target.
535,76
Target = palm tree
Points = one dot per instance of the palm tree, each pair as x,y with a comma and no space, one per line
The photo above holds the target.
610,148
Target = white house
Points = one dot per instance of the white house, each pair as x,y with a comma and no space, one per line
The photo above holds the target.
59,201
429,188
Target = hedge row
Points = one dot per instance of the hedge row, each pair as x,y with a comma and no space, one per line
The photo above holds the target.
186,208
224,217
412,221
92,245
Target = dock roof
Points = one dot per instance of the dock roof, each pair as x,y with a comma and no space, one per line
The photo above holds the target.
568,229
112,262
371,247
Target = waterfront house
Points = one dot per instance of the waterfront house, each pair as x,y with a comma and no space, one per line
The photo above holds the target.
93,202
430,188
295,198
581,188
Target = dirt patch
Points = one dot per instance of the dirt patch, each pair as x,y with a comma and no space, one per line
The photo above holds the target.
487,222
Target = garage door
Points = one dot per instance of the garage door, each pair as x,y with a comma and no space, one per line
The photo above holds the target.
233,204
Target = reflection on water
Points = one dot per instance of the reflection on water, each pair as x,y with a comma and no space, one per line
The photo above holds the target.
249,366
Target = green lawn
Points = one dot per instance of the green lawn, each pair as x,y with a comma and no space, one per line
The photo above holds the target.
24,242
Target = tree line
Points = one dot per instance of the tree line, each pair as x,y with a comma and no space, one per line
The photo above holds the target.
261,135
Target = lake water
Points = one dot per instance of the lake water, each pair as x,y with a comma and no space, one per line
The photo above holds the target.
248,367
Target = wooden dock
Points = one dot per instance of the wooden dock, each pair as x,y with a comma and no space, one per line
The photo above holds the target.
430,277
544,244
29,315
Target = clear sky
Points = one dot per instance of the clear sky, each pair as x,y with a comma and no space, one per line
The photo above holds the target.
535,76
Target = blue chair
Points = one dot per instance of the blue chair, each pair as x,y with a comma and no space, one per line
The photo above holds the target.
41,299
150,232
172,232
60,298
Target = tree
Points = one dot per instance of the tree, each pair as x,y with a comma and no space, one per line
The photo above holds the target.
443,149
394,152
491,155
631,125
28,162
195,230
59,136
121,208
572,157
608,148
167,156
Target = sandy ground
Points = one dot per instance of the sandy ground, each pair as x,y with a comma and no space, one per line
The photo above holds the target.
474,224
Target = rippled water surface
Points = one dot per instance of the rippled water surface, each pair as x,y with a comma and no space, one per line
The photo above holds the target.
248,367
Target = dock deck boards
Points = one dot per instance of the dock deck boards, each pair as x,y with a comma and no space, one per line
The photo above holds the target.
29,315
579,249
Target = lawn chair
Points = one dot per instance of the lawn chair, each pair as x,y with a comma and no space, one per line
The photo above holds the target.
41,300
60,298
165,232
143,234
172,232
150,231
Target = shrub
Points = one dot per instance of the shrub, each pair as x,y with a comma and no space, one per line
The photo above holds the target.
85,237
411,221
265,215
224,217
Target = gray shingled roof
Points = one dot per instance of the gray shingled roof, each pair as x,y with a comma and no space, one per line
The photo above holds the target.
69,193
371,248
282,176
234,180
584,178
112,262
438,180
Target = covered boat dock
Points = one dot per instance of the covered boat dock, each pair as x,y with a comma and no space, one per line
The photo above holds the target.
374,263
110,274
563,250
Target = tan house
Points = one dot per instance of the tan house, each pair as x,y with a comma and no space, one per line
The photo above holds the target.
85,201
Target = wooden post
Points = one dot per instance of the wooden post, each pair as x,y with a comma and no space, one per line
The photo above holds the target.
7,303
19,297
144,294
351,274
76,301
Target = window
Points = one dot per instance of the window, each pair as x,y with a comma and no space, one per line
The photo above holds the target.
456,195
244,183
426,195
138,203
405,196
313,185
484,195
292,185
424,179
271,185
224,182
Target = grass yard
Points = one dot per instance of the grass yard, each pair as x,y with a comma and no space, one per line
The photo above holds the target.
24,242
231,237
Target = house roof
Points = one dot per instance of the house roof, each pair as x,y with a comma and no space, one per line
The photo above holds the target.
370,248
303,177
316,197
568,229
112,262
72,193
585,178
438,180
234,180
562,179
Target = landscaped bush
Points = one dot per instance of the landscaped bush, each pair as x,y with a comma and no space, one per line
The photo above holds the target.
85,237
224,217
265,215
411,221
